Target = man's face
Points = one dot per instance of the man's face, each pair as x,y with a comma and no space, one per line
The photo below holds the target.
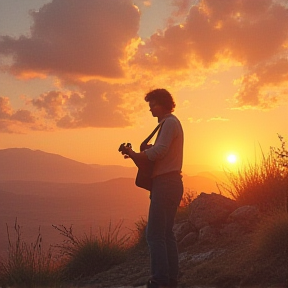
156,109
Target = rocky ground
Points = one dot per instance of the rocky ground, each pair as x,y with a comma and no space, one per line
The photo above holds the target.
202,265
217,249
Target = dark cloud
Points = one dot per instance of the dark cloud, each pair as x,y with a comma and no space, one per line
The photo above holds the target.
82,38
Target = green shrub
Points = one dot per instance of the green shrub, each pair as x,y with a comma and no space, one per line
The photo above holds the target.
27,265
92,254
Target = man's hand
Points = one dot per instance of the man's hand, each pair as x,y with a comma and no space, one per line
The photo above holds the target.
145,146
127,153
125,149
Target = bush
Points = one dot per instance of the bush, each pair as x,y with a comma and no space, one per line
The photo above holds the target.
267,253
183,210
272,235
92,254
28,265
263,185
140,233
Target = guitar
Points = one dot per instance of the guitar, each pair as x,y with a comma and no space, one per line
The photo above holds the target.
145,168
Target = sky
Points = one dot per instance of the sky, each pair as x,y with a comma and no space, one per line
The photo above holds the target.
74,74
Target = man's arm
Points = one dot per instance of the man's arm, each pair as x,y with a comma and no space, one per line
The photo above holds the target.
169,131
138,158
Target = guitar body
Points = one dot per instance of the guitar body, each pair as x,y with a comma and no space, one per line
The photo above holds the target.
144,174
145,170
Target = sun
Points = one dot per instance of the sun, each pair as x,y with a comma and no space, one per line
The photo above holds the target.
232,158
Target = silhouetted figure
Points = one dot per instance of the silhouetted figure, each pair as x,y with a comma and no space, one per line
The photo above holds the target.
166,188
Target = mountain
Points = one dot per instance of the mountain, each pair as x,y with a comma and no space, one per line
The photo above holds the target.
200,184
30,165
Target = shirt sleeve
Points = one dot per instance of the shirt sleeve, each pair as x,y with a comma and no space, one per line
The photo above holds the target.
165,137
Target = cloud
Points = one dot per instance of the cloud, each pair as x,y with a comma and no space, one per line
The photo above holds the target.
253,34
75,40
98,105
93,49
264,86
193,120
16,121
218,118
80,38
5,109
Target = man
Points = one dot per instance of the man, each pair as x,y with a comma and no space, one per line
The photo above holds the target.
167,189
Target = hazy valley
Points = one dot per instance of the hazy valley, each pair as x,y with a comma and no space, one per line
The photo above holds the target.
41,189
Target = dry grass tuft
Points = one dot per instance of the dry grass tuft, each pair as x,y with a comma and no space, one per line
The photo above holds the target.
271,237
27,265
264,185
183,210
92,254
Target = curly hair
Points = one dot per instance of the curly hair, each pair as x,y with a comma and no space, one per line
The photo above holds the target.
161,97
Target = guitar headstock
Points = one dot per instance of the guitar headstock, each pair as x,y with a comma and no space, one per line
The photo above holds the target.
124,148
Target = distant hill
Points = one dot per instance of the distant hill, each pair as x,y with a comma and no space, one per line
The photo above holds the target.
200,184
29,165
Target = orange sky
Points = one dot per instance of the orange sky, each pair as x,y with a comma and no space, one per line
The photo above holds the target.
74,74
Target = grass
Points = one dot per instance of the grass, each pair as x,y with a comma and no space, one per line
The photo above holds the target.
27,265
263,185
271,237
140,233
89,255
183,210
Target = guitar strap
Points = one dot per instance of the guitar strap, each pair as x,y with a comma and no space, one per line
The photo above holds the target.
143,177
145,142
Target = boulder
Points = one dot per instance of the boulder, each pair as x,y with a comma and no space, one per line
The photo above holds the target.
245,216
210,209
182,229
208,234
231,229
190,239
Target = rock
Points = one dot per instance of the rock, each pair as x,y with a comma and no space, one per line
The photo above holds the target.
206,255
182,229
231,229
210,209
208,234
190,239
246,216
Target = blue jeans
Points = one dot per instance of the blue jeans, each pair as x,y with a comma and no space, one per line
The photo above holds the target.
166,194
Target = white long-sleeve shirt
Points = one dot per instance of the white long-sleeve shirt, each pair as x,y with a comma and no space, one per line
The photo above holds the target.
167,151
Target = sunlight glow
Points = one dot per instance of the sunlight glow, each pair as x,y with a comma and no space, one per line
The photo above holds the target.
232,158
